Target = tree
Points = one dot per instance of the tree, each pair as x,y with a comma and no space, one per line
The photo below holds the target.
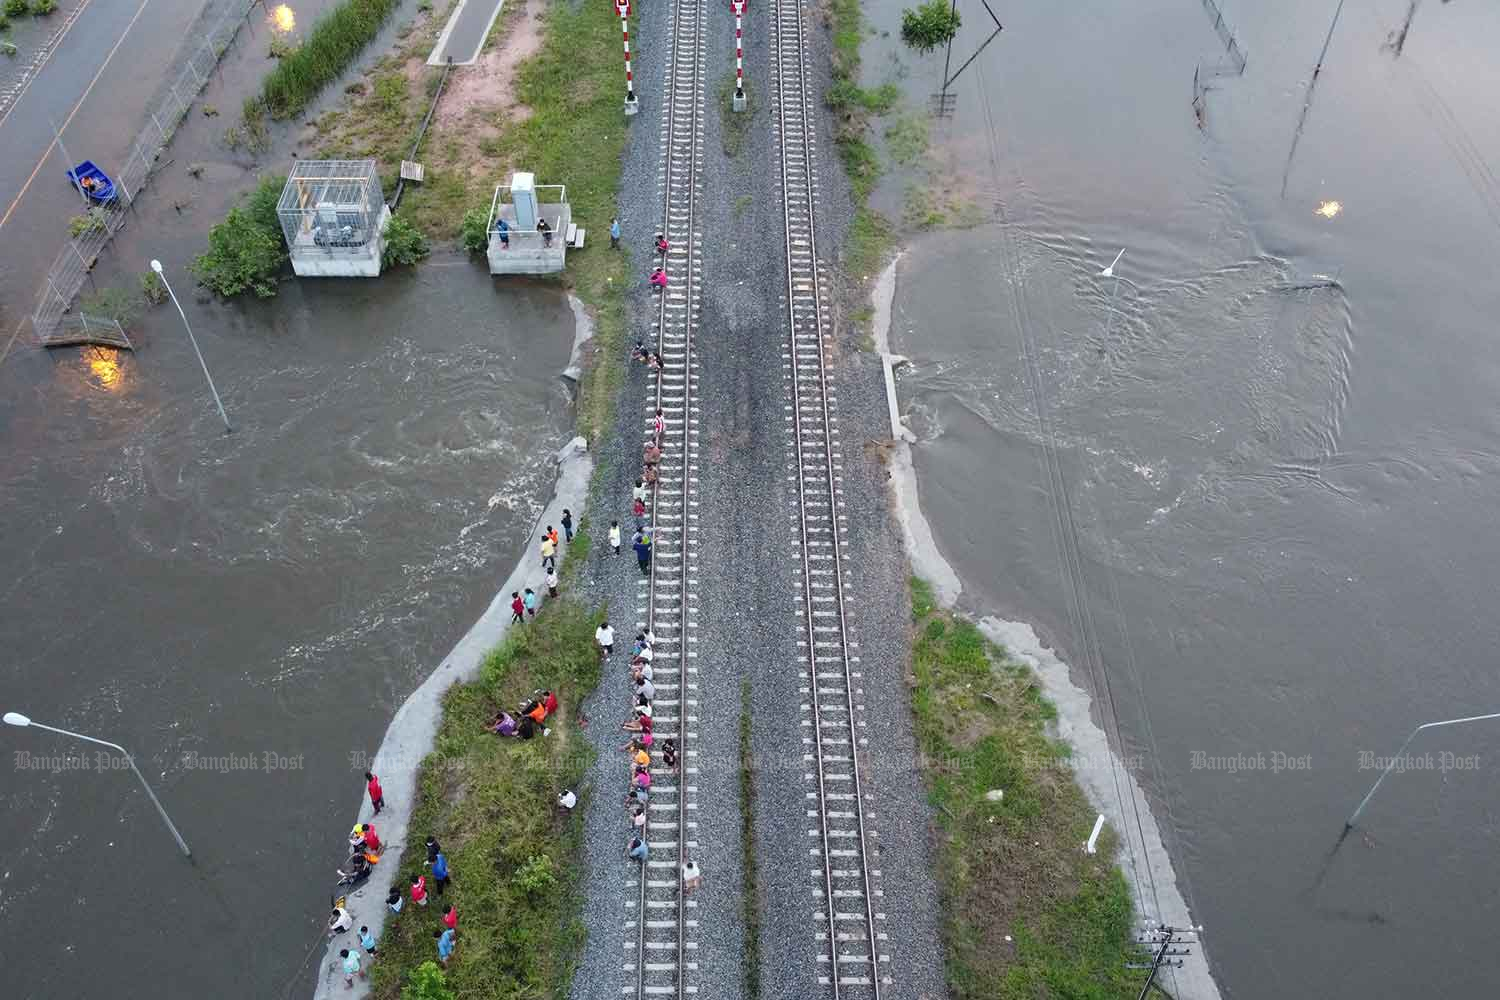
427,983
242,256
930,25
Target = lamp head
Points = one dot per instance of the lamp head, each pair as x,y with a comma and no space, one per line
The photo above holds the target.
16,719
156,266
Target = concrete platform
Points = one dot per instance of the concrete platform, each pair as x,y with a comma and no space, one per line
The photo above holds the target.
527,254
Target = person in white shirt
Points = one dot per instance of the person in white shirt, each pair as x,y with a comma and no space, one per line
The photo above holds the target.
614,536
567,799
340,922
645,688
605,637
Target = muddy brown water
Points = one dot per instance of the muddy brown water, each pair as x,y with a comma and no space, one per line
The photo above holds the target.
1273,534
243,612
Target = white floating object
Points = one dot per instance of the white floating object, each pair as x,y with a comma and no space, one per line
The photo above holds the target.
994,795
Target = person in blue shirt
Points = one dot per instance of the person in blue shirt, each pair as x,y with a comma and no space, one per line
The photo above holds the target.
614,234
638,849
503,229
445,940
440,871
367,941
530,602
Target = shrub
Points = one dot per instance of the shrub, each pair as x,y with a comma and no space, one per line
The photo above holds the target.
92,221
281,47
7,47
16,8
242,256
153,289
930,25
427,982
41,8
536,876
475,231
404,243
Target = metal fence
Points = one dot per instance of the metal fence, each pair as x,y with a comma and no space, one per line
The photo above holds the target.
77,258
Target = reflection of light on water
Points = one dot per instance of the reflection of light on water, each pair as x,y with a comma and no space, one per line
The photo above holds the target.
1329,209
282,18
104,366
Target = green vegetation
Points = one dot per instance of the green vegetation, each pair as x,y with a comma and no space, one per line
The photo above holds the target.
516,861
281,47
906,138
404,243
1011,868
41,8
474,234
153,289
751,889
332,44
734,126
932,24
17,8
8,47
869,239
112,303
92,220
245,251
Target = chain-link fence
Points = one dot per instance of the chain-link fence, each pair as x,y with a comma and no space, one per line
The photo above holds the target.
93,230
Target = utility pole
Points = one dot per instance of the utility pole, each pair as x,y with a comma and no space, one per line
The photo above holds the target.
1165,946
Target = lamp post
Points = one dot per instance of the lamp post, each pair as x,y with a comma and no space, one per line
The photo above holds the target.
17,719
156,266
1391,764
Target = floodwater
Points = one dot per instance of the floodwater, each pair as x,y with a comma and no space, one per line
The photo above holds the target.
244,611
1250,486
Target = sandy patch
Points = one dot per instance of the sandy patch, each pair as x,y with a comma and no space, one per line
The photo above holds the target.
486,89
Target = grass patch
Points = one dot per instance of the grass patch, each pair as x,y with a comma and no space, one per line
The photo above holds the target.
751,889
907,137
1015,866
516,864
868,245
734,126
332,44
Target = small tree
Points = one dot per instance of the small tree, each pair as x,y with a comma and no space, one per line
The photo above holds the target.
242,256
536,876
427,982
475,231
404,243
153,288
932,24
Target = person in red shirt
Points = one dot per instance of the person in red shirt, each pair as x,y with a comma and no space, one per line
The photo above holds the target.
450,917
419,890
377,796
369,837
549,700
517,607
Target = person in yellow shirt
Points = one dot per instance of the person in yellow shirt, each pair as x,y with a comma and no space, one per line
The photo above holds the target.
549,553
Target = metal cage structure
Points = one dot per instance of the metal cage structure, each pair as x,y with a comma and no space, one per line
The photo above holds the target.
332,211
521,246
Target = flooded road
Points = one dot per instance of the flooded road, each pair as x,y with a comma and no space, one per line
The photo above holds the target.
1250,486
243,612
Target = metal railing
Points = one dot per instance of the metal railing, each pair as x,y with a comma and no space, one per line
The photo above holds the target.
66,275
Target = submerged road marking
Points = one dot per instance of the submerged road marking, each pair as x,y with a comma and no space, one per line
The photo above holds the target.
90,89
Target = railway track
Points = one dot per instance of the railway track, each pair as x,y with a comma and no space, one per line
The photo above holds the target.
661,927
844,881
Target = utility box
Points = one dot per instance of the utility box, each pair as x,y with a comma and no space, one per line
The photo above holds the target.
523,197
333,217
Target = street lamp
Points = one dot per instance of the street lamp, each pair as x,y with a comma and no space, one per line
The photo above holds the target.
156,266
17,719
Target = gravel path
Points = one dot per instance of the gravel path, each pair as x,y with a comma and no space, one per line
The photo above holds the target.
747,586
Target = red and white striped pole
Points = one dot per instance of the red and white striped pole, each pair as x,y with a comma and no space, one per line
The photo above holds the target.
738,104
631,105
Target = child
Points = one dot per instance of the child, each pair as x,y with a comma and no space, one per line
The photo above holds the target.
395,900
517,607
669,753
440,871
639,508
614,536
450,918
367,941
351,967
552,583
658,279
419,889
567,523
530,602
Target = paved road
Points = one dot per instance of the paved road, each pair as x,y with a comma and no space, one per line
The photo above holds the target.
93,86
464,34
